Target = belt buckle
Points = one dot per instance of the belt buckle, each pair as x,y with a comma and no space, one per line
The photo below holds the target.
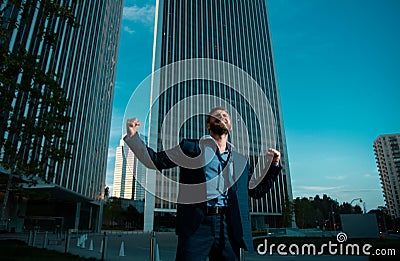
216,210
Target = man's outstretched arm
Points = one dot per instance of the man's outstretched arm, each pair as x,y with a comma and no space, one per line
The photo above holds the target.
272,174
146,155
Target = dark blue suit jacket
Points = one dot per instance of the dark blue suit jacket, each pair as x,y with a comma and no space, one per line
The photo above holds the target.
190,216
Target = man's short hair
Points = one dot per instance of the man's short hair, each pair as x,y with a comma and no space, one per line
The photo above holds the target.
214,110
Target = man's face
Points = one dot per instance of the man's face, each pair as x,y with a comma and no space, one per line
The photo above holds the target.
220,122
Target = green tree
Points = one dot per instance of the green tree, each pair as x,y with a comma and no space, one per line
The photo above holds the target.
287,213
347,208
330,211
34,107
384,220
304,213
319,212
112,211
134,217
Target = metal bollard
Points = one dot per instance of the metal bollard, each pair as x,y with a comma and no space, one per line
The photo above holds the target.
44,245
241,257
104,252
67,241
152,245
30,238
34,238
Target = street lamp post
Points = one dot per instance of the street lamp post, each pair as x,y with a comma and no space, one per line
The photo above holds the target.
361,201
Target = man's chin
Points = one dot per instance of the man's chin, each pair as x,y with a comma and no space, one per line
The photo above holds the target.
220,130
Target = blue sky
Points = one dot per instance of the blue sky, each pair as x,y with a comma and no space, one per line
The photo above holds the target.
338,67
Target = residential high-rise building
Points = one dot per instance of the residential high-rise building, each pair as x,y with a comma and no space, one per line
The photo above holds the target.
387,153
129,174
216,33
84,59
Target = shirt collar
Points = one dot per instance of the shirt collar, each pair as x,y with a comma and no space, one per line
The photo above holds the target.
229,146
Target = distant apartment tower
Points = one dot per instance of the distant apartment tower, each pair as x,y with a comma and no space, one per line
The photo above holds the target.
129,174
84,59
236,33
387,153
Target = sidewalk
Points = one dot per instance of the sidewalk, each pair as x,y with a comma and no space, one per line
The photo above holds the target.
137,247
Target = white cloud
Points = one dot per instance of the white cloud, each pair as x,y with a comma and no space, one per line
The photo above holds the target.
337,177
143,14
319,188
372,174
360,190
111,154
116,131
128,30
119,85
110,177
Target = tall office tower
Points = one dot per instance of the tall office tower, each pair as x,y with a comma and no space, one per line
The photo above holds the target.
233,32
139,171
387,153
129,174
84,59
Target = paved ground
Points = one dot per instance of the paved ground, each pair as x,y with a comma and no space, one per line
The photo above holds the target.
136,246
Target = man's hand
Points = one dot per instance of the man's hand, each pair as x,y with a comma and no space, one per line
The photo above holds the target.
132,126
275,155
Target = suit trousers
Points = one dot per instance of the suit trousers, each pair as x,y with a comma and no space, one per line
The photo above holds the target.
210,240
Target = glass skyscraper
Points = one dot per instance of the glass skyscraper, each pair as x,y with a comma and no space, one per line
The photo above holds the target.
84,59
234,32
129,174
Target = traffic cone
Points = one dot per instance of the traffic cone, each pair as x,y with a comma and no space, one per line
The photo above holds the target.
91,245
122,249
157,253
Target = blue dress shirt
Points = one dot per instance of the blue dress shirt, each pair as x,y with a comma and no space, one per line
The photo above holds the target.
216,165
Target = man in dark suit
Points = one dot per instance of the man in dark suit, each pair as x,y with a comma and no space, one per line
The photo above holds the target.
219,225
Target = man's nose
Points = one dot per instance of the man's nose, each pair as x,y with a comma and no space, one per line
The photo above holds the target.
224,118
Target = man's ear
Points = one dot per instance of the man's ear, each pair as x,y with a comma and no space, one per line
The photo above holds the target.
208,126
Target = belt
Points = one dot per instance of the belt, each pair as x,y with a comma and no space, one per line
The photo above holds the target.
216,210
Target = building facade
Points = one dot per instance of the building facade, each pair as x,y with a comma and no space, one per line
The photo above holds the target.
387,154
129,174
84,59
219,35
